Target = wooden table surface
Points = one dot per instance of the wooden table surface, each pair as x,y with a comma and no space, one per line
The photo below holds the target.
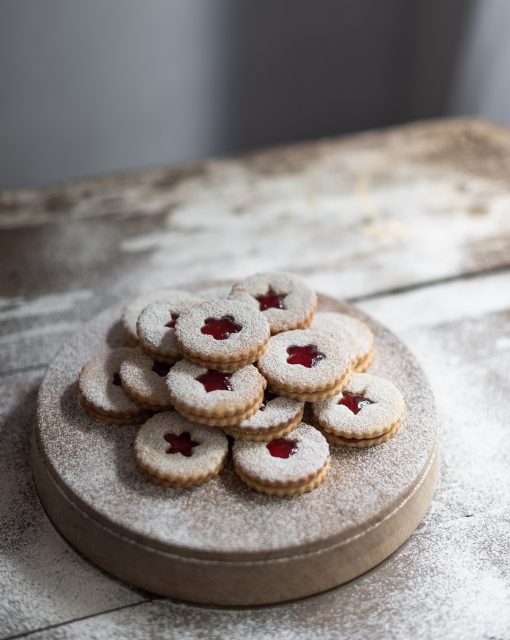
413,224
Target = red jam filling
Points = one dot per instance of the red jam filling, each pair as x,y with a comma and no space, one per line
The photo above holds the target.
181,443
307,356
354,403
267,398
282,448
171,323
271,300
220,328
215,380
161,368
116,380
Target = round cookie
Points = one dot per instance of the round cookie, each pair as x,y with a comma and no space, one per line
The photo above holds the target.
288,466
351,333
156,326
173,451
144,380
305,365
286,301
275,418
135,307
213,397
101,392
222,334
367,412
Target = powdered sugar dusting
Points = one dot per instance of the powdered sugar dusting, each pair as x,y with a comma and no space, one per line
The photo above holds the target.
136,373
223,518
273,363
277,411
134,308
247,385
300,299
253,334
151,325
96,382
351,333
255,460
371,420
151,448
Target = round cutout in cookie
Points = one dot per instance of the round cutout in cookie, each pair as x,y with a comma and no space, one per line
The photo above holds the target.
286,301
174,451
367,412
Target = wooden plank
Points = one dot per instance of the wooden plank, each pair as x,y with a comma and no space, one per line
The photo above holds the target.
445,584
451,579
346,213
42,580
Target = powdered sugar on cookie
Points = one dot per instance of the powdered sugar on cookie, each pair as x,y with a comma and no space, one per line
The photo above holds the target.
274,412
135,307
246,386
100,386
328,361
286,301
311,455
156,325
222,330
171,448
145,378
354,335
383,408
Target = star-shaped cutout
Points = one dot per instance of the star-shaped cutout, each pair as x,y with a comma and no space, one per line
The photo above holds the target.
354,403
180,443
307,355
214,380
271,300
282,448
220,328
173,319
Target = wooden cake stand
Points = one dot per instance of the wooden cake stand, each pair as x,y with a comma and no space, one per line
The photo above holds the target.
222,543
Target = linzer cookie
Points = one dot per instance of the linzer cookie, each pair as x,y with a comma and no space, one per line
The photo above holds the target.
275,418
288,466
174,451
144,380
156,326
367,412
222,334
136,306
101,392
351,333
286,301
213,397
305,365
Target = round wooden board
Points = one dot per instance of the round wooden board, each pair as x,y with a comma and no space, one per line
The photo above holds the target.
222,543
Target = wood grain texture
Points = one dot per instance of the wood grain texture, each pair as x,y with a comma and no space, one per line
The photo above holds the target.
414,222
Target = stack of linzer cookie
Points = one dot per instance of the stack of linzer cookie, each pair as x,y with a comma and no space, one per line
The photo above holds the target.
242,363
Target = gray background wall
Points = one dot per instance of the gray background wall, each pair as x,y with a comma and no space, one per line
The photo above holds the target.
104,85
